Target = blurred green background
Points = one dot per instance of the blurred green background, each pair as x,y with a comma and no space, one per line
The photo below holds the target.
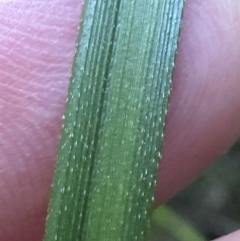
207,209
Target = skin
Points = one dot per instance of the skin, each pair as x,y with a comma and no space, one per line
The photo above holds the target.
37,46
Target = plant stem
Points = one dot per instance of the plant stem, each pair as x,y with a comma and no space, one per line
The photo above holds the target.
108,159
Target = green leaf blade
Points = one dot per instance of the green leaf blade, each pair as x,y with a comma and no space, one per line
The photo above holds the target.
166,218
113,130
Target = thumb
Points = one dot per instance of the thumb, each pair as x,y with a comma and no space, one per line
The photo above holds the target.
204,113
231,237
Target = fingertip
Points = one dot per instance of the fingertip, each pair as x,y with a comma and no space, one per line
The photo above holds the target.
204,110
230,237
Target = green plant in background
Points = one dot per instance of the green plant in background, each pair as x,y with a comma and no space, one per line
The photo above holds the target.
114,121
166,218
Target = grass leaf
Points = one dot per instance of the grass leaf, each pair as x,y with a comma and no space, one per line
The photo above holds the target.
166,218
113,129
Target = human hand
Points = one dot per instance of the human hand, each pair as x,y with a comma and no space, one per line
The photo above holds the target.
37,45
